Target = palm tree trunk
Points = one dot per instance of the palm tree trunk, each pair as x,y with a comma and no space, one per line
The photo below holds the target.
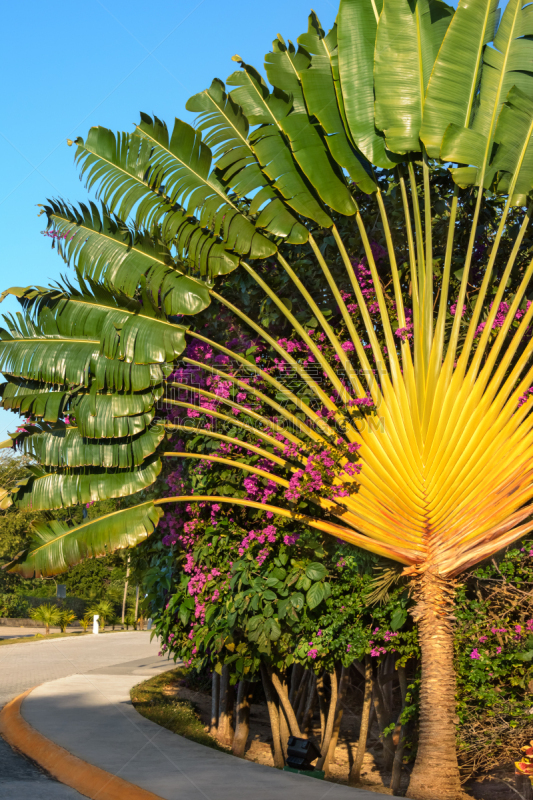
436,771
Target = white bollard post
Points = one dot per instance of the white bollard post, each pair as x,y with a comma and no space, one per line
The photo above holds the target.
96,617
149,624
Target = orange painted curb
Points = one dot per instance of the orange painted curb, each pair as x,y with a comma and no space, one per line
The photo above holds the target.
87,779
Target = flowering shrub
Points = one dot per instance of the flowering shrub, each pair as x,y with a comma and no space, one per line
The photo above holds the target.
494,652
239,587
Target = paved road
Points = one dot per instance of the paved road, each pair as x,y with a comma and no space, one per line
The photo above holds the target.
25,665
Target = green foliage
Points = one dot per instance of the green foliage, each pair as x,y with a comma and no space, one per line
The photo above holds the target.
304,601
65,618
12,605
104,609
494,656
48,613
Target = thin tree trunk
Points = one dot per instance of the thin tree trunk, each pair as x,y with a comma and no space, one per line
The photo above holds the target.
343,683
309,710
384,720
302,696
281,689
398,755
273,714
296,677
326,741
225,718
284,731
125,590
436,771
322,705
355,772
215,696
242,725
136,602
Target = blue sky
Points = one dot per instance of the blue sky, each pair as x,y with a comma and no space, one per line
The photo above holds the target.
68,66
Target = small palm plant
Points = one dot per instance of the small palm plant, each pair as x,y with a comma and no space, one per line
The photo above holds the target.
66,617
130,619
85,621
105,611
412,435
47,613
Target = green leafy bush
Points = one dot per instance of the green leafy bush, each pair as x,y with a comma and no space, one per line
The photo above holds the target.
65,618
494,657
47,613
13,606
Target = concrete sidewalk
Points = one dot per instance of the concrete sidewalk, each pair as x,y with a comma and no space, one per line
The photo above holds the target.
91,716
30,663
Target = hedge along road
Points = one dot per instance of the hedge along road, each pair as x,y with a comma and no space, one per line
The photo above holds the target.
28,664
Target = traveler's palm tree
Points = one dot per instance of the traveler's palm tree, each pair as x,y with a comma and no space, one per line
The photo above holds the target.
445,482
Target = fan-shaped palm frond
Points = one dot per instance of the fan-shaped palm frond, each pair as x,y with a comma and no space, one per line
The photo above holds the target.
410,430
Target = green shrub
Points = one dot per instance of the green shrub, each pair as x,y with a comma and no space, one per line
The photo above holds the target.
105,611
13,606
75,604
65,618
47,613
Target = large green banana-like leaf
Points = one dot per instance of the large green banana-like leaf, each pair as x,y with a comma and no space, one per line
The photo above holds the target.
358,22
515,147
106,250
57,546
34,398
65,447
322,101
128,330
268,142
227,130
183,162
38,352
283,67
121,170
453,85
47,489
114,415
505,65
100,416
408,38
